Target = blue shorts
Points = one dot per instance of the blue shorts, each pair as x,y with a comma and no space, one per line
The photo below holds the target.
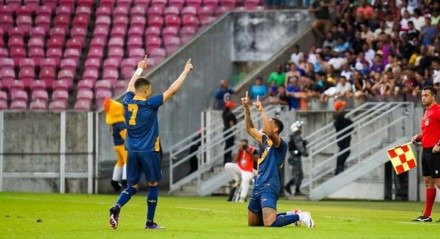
261,198
143,162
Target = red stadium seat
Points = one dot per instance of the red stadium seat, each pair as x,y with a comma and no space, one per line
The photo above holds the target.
156,10
38,85
38,105
3,52
66,75
162,3
138,10
170,31
186,33
17,53
171,43
127,67
81,21
103,11
16,85
155,21
36,43
62,21
96,52
107,3
16,32
135,31
68,64
101,31
43,21
157,55
144,3
85,85
111,75
118,32
83,105
116,42
60,95
57,106
221,10
194,3
172,10
177,3
3,96
44,10
54,53
75,43
138,21
40,95
6,63
50,3
49,62
211,3
135,42
78,32
230,4
32,4
6,20
171,20
124,3
189,10
38,32
3,105
72,54
48,74
85,3
188,20
27,63
24,22
251,4
103,85
24,10
18,105
84,94
65,9
15,42
136,53
120,86
37,54
61,85
121,21
55,42
27,75
57,32
153,31
154,42
98,42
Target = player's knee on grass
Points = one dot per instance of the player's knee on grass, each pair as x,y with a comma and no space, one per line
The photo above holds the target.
269,216
254,220
152,184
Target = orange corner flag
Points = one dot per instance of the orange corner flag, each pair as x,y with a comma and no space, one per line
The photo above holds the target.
402,157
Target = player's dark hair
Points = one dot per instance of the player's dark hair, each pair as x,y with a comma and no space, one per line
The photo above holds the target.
431,89
245,141
279,124
141,82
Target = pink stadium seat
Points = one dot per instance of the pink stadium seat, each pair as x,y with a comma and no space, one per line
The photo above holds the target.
96,52
57,106
110,75
55,42
16,85
108,3
60,95
205,12
72,54
38,85
118,31
176,3
171,43
144,3
135,31
211,3
61,85
157,55
128,66
172,10
32,4
102,85
68,64
92,63
100,95
17,53
3,96
24,22
16,32
162,3
62,21
194,3
37,54
98,42
207,20
27,63
155,21
103,11
81,21
138,21
78,32
18,105
251,4
64,9
171,20
6,19
43,21
230,4
38,105
49,62
112,63
189,10
54,53
154,42
75,43
24,10
57,32
90,74
156,10
3,105
153,31
50,3
103,21
40,95
37,32
27,75
85,3
19,95
124,3
116,42
188,20
84,94
15,42
116,52
44,10
121,21
66,75
170,31
101,31
85,85
48,74
186,33
138,10
83,105
136,53
120,86
135,42
3,52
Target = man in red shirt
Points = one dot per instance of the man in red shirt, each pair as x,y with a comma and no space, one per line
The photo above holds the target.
430,139
243,168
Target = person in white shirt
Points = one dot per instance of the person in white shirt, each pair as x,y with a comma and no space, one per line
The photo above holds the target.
296,55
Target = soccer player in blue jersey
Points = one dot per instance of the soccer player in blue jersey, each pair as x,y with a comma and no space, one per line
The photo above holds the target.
263,202
142,141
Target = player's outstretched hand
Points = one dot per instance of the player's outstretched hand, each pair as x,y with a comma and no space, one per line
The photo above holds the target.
258,104
245,100
144,63
188,66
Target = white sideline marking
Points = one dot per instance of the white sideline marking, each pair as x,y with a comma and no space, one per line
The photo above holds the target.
46,200
202,209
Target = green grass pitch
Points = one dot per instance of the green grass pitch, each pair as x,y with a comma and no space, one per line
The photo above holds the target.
28,215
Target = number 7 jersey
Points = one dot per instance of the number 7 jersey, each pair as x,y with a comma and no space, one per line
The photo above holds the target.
142,123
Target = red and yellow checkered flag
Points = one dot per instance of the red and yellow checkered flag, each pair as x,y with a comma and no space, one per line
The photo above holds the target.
402,157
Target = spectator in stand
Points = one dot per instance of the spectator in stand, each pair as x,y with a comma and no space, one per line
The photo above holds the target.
258,89
429,33
378,65
277,76
362,87
296,55
222,94
229,121
435,67
337,60
276,97
418,19
305,66
322,23
412,31
365,9
329,40
384,87
382,29
344,89
293,72
293,89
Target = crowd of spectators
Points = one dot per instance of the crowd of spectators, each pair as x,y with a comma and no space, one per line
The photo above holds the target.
386,50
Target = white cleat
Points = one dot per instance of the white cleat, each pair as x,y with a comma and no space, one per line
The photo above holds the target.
306,219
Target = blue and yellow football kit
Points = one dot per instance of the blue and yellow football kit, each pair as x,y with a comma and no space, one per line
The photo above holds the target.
119,131
267,183
142,142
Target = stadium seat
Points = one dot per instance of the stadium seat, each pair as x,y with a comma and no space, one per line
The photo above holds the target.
38,85
84,94
50,3
189,10
7,76
72,54
135,31
57,106
62,21
120,86
172,10
118,32
18,105
78,32
144,3
43,21
3,52
3,105
3,96
111,64
33,5
205,11
171,20
107,3
98,42
81,21
16,32
38,105
103,11
153,31
110,75
37,32
211,3
37,54
153,42
101,95
96,52
121,21
189,20
68,64
116,42
230,4
90,74
48,74
102,85
27,75
40,95
55,42
83,105
137,21
134,42
162,3
24,10
124,3
170,31
6,20
85,3
251,4
155,21
136,53
176,3
171,44
85,85
66,75
19,95
186,33
61,85
44,10
138,10
221,10
67,3
16,85
116,52
101,31
55,54
14,42
60,95
128,66
75,43
92,63
24,22
6,63
103,21
194,3
207,20
157,55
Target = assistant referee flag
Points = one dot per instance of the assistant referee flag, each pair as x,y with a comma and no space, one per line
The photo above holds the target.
402,157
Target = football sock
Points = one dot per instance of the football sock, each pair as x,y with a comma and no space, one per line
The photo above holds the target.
283,220
126,195
430,198
117,173
152,202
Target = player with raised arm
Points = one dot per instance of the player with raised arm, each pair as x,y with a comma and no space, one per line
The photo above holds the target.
262,205
142,143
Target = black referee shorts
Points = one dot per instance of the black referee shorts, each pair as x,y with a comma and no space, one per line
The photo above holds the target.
430,163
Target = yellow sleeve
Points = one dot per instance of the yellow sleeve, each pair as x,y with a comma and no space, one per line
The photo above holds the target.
123,133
